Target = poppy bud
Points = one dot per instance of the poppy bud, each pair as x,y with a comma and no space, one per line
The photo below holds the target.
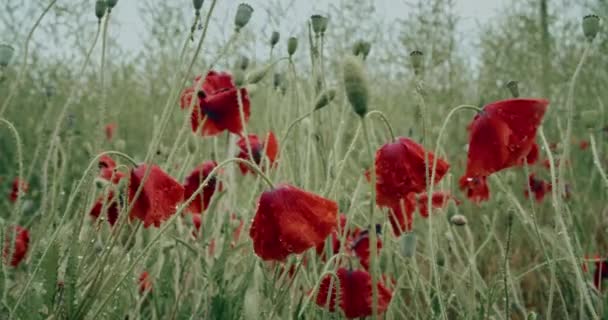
325,98
243,15
100,9
591,25
292,45
408,244
355,85
257,75
319,24
101,183
198,4
274,38
112,3
6,54
458,220
513,86
417,60
362,48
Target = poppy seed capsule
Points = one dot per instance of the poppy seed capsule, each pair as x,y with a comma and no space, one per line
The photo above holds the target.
319,24
243,15
325,98
355,85
362,48
198,4
513,87
417,60
458,220
112,3
591,25
6,54
292,45
100,9
274,38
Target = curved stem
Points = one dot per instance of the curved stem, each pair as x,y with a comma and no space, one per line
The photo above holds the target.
23,67
387,124
102,71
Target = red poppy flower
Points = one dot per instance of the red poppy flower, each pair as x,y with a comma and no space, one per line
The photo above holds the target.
109,129
145,284
270,146
355,298
193,181
362,247
533,155
19,187
334,239
439,200
218,105
111,207
583,144
107,170
290,220
17,246
601,272
538,187
500,137
159,197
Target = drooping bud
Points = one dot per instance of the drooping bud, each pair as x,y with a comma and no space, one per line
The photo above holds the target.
100,8
257,75
292,45
274,38
325,98
319,24
243,62
513,86
458,220
362,48
591,25
408,244
417,61
355,85
6,54
243,15
112,3
198,4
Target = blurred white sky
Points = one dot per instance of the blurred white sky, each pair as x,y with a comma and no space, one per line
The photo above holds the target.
471,12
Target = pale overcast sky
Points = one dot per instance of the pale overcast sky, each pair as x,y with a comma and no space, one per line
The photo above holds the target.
471,13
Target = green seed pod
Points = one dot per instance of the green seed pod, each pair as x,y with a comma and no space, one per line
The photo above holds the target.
591,25
355,85
198,4
408,244
6,54
112,3
362,48
243,15
274,38
100,9
292,45
417,61
513,86
319,24
258,74
325,98
458,220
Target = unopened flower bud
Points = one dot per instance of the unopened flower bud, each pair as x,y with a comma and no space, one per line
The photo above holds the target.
274,38
319,24
513,86
100,8
112,3
6,54
198,4
325,98
355,85
458,220
100,183
292,45
591,25
243,62
258,74
243,15
362,48
408,244
417,61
